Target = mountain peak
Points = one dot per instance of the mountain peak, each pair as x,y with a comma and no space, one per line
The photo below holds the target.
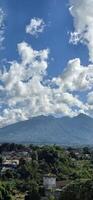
82,115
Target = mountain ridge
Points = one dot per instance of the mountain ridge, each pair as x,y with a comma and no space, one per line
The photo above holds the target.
50,130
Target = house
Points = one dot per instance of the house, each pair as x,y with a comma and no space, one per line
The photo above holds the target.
49,181
52,187
10,163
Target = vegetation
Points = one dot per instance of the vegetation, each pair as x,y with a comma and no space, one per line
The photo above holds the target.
73,166
81,190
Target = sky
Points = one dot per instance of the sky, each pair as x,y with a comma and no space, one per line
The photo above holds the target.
46,59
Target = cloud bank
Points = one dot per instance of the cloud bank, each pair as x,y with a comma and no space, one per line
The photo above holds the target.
29,93
25,89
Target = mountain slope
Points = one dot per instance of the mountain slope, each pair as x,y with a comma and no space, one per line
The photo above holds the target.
50,130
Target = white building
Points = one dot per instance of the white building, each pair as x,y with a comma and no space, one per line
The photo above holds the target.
49,181
10,163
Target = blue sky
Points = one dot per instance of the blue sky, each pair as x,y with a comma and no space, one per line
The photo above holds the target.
60,22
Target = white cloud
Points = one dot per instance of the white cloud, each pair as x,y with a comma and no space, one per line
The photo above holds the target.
90,98
74,38
76,77
2,27
82,14
24,93
10,116
35,27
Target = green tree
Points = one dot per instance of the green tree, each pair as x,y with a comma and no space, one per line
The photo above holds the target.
33,193
51,198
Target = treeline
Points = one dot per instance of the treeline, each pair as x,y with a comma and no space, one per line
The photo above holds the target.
7,147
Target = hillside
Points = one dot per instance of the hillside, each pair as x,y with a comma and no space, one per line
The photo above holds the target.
50,130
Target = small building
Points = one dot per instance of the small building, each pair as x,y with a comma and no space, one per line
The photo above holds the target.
50,187
49,181
10,163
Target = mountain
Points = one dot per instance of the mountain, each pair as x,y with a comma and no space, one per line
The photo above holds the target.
50,130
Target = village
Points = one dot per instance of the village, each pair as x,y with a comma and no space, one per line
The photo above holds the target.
50,169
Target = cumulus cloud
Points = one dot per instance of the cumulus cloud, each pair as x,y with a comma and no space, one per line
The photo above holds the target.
76,77
82,14
35,27
2,27
26,90
27,93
